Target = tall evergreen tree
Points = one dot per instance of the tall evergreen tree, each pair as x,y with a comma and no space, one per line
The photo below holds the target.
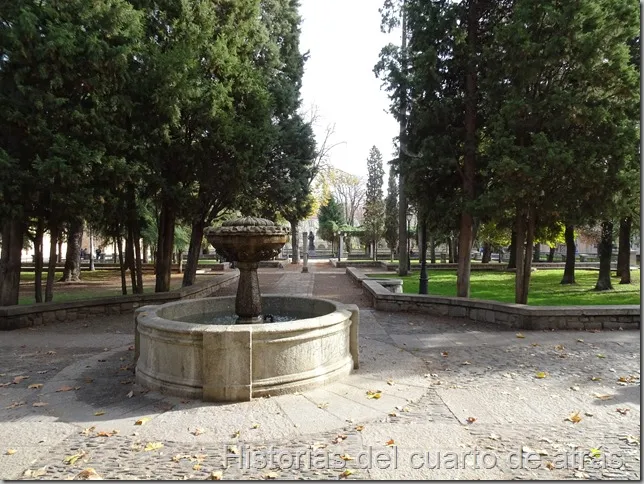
391,212
374,206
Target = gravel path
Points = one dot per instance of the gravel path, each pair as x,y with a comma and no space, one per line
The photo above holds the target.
459,401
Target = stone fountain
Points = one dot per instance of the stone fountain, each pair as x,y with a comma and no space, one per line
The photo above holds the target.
222,349
248,241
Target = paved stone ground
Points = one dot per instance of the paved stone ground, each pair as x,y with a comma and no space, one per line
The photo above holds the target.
458,401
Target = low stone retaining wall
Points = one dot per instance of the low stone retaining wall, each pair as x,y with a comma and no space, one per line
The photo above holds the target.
448,266
14,317
512,316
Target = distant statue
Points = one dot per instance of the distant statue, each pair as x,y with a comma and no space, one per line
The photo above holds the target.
311,239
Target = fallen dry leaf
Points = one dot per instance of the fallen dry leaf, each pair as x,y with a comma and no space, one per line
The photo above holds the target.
390,443
197,431
390,382
88,430
559,347
541,374
18,379
392,414
323,405
104,433
271,475
623,411
574,417
631,440
466,363
471,419
595,378
153,446
39,404
51,352
16,404
67,388
35,472
142,420
374,394
130,394
339,438
214,476
604,397
71,460
99,413
233,449
88,474
599,355
520,335
550,466
11,451
235,434
359,428
196,467
346,473
35,386
255,426
346,457
444,354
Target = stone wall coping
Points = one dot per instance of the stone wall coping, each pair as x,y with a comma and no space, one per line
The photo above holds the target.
20,310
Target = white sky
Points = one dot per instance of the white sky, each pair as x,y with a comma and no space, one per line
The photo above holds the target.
344,40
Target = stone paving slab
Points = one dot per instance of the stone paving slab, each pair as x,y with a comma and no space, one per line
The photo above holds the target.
449,389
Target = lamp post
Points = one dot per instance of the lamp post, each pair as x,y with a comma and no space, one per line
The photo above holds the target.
409,215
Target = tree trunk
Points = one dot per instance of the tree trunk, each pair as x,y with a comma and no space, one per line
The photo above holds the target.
295,242
537,253
527,260
179,261
432,250
91,249
519,243
10,263
551,254
51,265
463,254
129,256
403,268
450,251
145,253
38,259
624,251
465,236
164,248
137,260
119,249
194,251
569,269
59,254
605,251
72,270
487,253
512,262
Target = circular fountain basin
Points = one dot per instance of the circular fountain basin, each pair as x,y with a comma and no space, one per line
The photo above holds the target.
236,362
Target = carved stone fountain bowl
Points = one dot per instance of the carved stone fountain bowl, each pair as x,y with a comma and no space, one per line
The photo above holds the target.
248,239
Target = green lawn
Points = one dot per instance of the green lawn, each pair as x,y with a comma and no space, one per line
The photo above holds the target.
96,275
545,289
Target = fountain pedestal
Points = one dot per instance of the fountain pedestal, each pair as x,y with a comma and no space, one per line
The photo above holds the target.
248,303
